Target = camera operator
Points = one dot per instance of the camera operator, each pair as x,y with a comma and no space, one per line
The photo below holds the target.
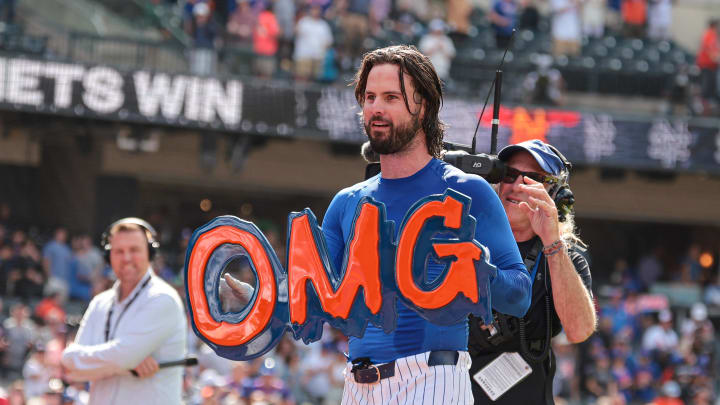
512,358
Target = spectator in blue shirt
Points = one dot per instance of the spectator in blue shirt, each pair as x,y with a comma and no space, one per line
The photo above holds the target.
203,58
504,18
57,262
268,387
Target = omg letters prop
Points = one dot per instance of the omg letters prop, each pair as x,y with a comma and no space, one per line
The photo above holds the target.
376,271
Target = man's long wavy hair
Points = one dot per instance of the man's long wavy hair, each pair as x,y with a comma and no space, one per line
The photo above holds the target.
424,79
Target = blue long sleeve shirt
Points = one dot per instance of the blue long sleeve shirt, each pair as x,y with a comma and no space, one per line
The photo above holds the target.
510,289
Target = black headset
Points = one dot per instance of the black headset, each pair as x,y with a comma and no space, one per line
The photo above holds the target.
560,192
153,244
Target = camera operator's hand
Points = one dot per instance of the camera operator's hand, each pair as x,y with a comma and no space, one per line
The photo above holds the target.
234,294
541,211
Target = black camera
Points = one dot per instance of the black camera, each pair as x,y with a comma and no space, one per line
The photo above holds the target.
487,166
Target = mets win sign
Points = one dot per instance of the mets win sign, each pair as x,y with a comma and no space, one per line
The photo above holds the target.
377,271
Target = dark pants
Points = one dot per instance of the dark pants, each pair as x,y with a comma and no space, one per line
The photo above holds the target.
502,41
634,30
535,389
708,79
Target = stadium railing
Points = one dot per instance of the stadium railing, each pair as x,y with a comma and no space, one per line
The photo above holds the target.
167,56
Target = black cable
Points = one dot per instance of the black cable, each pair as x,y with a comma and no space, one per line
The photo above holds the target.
548,329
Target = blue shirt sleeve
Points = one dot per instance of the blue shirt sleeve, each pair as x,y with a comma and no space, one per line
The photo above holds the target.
332,230
47,251
511,289
497,8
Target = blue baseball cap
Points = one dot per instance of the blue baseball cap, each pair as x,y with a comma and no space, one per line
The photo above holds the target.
546,158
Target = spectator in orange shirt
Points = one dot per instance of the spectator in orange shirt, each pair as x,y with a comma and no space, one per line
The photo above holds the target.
49,307
634,13
265,42
707,60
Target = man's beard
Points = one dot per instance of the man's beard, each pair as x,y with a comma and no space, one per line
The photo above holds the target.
397,138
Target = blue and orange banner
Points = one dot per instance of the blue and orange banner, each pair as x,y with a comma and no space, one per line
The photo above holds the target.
377,272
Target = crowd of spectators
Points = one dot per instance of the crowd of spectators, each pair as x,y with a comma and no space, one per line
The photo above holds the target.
647,349
342,28
322,40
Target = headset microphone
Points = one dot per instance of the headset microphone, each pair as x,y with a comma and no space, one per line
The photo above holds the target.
153,244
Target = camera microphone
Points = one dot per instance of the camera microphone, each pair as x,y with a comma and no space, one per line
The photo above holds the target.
466,159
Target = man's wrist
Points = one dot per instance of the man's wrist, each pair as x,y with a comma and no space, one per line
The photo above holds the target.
554,248
549,239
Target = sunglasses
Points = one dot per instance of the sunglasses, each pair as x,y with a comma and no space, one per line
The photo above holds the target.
511,174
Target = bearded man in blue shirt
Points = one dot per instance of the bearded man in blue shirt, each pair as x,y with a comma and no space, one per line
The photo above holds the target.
419,362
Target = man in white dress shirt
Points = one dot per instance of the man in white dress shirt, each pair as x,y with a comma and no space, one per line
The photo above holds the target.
135,325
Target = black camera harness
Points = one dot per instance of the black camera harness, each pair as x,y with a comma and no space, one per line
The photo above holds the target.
531,262
503,328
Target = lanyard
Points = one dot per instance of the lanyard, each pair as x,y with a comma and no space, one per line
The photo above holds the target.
132,299
532,260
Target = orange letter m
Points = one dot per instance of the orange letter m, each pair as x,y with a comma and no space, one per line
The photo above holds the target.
308,262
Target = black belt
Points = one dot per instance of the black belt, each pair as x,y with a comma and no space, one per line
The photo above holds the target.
368,373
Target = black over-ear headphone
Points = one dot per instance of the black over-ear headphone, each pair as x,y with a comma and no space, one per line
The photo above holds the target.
153,244
560,192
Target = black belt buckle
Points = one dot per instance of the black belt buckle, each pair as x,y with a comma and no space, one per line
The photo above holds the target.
368,373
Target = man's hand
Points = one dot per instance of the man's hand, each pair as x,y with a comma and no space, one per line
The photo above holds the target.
234,294
541,210
147,368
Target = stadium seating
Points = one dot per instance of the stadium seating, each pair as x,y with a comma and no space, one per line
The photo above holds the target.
13,39
608,65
